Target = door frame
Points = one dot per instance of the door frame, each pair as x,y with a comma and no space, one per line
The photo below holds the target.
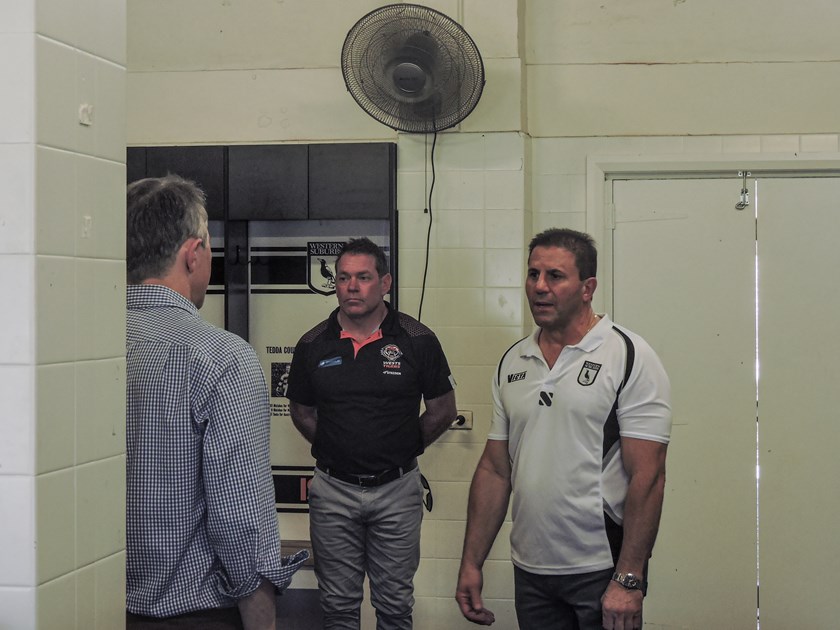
601,169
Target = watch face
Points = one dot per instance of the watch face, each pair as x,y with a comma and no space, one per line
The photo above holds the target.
628,580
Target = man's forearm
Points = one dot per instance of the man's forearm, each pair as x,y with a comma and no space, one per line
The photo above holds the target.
305,420
642,511
258,609
431,428
439,415
487,507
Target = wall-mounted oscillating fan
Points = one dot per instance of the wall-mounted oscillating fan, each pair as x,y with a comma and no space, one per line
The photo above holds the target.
412,68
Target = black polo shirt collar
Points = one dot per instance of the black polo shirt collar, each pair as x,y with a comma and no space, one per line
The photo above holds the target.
390,326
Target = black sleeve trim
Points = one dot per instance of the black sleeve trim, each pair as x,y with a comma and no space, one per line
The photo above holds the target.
628,363
502,360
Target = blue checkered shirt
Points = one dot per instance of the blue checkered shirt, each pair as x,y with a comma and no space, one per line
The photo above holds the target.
201,520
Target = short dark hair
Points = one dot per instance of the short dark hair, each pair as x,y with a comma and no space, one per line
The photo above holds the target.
581,245
366,246
162,213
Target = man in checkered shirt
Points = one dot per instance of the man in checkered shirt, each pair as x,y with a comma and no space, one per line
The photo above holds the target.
203,548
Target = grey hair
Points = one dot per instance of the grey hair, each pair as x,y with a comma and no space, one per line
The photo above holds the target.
162,213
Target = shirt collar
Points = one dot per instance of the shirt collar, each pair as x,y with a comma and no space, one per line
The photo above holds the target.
389,325
590,341
139,296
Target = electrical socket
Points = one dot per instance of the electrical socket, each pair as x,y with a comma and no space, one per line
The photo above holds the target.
464,421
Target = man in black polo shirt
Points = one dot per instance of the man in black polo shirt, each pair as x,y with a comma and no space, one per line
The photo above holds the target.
355,386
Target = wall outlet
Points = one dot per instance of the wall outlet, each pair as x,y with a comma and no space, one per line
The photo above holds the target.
464,420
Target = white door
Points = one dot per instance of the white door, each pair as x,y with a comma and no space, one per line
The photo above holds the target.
684,278
799,414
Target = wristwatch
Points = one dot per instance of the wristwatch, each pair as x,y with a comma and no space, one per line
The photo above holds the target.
630,581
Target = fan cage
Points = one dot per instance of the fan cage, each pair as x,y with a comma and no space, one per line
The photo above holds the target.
423,38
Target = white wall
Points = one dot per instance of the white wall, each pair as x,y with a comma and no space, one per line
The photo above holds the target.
62,346
676,67
566,80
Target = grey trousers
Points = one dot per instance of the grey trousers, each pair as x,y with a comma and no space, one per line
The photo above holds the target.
358,530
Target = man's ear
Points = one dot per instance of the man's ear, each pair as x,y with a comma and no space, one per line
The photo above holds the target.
190,248
589,286
386,283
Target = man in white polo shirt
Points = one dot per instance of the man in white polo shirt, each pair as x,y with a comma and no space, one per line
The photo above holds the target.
578,439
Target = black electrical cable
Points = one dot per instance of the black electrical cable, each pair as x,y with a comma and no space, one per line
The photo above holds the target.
429,231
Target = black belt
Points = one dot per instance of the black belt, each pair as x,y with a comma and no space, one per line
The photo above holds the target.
369,481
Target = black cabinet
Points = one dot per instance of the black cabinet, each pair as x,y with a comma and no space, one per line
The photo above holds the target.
272,182
203,165
135,164
268,182
352,181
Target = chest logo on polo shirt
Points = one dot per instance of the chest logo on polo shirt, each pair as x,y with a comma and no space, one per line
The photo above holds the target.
519,376
391,365
588,373
391,352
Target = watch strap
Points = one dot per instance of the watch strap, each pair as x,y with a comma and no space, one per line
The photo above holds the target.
630,581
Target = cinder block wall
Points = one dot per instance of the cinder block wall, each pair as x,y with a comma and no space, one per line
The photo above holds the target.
62,341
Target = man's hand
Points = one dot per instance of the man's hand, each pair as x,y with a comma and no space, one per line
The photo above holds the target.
468,596
621,608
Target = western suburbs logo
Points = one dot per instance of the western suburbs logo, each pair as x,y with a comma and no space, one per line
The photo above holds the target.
588,373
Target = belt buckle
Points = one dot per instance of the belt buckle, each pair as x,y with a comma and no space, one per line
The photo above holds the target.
368,481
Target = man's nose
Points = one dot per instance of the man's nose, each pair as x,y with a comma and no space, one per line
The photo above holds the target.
540,285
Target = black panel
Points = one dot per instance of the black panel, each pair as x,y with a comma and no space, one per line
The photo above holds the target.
352,181
278,269
203,165
236,276
267,182
135,164
217,271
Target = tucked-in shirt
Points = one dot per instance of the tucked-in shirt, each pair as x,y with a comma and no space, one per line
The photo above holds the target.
201,519
368,401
